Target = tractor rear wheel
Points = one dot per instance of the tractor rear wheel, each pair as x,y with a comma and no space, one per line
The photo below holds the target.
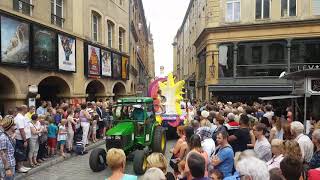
139,162
159,140
97,160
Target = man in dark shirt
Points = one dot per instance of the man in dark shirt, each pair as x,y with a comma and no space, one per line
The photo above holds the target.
241,137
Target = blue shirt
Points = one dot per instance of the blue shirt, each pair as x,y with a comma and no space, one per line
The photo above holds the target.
128,177
52,131
41,110
226,157
57,118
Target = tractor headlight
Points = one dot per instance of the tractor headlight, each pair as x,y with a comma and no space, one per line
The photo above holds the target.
117,137
109,137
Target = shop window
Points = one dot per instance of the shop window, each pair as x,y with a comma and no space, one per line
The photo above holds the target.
226,61
57,12
261,59
288,8
23,6
233,11
262,9
305,51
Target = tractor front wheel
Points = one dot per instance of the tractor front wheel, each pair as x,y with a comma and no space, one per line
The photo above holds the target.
140,162
97,160
159,140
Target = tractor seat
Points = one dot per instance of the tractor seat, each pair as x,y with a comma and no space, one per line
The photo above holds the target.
138,114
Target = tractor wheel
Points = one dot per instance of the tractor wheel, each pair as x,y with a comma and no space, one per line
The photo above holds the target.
159,140
139,162
97,160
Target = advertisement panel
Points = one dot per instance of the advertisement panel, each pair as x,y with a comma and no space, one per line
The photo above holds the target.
44,48
93,60
116,68
14,41
125,68
67,53
106,63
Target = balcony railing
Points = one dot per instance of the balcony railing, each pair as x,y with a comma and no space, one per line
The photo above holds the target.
57,20
23,7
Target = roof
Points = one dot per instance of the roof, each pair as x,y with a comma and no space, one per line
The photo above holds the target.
279,97
302,74
135,100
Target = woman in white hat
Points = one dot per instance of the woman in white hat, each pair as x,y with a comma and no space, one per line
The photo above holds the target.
204,120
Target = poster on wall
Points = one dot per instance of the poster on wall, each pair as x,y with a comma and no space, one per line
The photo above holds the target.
125,68
14,41
106,63
116,68
93,60
67,53
44,48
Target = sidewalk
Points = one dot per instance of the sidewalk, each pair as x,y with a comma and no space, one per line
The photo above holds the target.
56,160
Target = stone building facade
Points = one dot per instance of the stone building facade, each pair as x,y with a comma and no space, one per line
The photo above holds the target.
96,28
236,49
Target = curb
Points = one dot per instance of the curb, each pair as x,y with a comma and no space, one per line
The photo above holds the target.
55,161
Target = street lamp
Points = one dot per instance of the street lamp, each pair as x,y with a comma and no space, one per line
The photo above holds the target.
212,67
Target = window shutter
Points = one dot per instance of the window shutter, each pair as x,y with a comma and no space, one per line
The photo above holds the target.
316,7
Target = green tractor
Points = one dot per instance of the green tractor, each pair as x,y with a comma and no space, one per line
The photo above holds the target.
135,131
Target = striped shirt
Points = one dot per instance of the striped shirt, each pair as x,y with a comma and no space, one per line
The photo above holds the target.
263,149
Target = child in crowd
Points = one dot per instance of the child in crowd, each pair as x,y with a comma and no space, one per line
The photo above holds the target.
79,149
52,137
62,136
215,174
43,139
94,128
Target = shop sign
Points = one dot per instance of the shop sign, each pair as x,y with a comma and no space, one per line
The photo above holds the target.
314,86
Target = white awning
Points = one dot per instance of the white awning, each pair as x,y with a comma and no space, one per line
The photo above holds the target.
279,97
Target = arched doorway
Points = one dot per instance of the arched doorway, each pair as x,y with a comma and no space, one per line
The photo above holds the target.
53,89
119,90
7,92
94,90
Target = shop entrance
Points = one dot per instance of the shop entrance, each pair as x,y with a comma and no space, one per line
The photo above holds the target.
53,89
94,90
119,90
7,92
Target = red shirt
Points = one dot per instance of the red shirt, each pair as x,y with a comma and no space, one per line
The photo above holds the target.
233,123
314,174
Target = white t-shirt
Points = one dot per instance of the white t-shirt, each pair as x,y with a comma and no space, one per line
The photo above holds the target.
63,136
306,147
22,122
37,126
208,146
263,149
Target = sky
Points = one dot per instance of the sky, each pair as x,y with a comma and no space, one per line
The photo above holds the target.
165,18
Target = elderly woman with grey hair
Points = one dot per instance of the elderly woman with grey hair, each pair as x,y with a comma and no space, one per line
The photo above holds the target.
315,160
252,168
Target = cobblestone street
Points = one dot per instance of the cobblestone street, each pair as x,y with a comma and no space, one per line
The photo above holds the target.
77,168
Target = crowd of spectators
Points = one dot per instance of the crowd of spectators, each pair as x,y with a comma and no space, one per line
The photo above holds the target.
29,136
235,141
218,141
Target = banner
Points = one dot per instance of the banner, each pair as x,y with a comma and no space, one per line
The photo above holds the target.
14,41
116,68
44,48
93,60
67,53
125,68
106,63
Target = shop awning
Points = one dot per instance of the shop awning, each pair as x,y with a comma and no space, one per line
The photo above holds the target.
278,97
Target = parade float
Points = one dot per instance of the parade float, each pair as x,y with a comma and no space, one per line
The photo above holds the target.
167,98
